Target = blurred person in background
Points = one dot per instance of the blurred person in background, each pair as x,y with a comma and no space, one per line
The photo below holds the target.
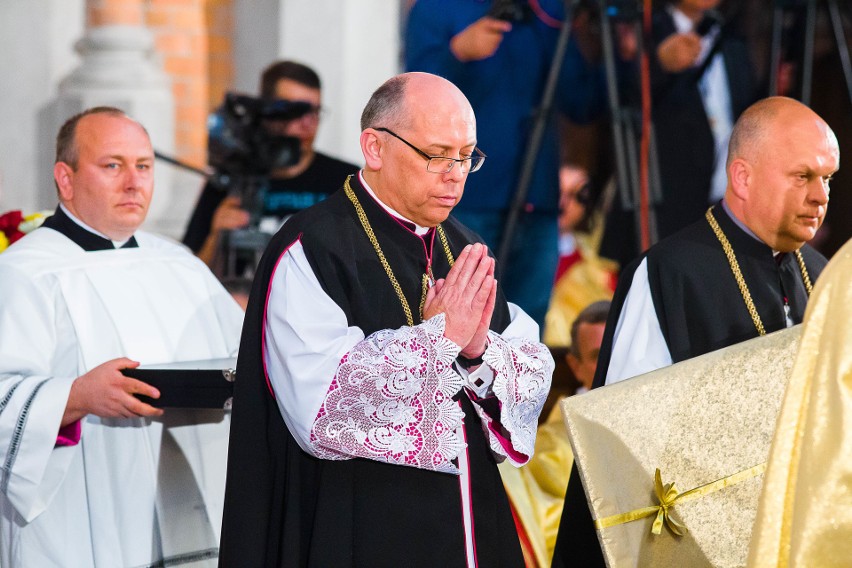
500,59
289,189
702,79
537,491
582,277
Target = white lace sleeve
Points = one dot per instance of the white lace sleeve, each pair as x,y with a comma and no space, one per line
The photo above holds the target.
391,401
523,368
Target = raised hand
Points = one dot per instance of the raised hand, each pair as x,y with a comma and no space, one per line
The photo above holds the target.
106,392
229,215
479,342
679,52
479,40
466,298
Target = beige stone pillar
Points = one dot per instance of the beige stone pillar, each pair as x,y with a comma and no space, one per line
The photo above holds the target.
115,12
120,68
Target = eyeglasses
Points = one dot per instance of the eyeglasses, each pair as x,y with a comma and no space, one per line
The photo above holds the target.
286,110
314,112
441,164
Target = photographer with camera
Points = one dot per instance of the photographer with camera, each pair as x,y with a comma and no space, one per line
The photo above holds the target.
702,79
296,178
499,54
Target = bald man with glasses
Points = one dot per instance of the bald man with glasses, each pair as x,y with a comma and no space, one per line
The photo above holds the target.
440,164
382,373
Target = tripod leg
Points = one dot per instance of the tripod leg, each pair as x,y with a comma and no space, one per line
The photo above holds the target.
655,189
842,46
808,57
775,52
633,171
623,132
617,113
536,135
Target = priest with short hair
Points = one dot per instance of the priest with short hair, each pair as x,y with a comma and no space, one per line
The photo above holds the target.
382,373
743,270
91,475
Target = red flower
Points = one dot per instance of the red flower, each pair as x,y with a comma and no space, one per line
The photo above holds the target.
9,223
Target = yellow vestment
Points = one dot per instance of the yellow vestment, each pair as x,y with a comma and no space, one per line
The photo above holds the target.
805,513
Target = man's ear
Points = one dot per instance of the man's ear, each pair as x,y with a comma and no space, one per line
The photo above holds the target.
573,363
63,174
372,148
740,172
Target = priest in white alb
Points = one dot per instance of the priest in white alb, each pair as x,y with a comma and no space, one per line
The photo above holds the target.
91,476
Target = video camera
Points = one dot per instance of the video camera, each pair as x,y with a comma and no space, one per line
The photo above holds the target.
244,150
519,10
241,144
509,10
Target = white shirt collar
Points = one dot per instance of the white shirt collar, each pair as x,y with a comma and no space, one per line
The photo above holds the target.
116,244
683,24
417,228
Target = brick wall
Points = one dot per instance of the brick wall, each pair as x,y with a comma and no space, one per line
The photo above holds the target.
193,39
102,12
181,41
220,62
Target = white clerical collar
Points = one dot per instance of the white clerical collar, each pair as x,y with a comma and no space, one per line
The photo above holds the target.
418,230
116,244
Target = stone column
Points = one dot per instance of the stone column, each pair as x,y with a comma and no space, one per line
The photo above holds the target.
359,51
36,52
353,45
119,68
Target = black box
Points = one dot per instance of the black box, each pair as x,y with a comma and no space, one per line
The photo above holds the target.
189,384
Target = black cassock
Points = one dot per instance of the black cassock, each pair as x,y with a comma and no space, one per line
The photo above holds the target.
700,309
284,507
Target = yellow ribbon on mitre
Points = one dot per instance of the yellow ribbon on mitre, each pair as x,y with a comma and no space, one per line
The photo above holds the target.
668,496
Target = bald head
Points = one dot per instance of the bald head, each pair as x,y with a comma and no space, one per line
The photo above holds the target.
781,157
754,130
386,104
66,141
395,102
110,183
409,120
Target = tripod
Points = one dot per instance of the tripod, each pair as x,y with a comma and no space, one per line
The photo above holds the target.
624,127
239,250
835,16
534,144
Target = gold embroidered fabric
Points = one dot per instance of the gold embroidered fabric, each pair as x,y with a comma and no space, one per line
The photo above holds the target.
427,278
805,515
668,496
738,276
698,421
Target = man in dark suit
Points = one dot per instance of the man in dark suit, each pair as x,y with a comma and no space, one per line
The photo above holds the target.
701,81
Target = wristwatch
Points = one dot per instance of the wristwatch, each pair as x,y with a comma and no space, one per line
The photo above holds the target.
468,363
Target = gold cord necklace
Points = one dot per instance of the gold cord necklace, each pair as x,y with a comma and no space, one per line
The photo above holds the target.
738,275
427,279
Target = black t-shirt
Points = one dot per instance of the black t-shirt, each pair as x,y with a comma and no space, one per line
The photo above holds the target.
283,197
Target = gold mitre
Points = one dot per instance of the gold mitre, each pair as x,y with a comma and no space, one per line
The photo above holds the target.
672,461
